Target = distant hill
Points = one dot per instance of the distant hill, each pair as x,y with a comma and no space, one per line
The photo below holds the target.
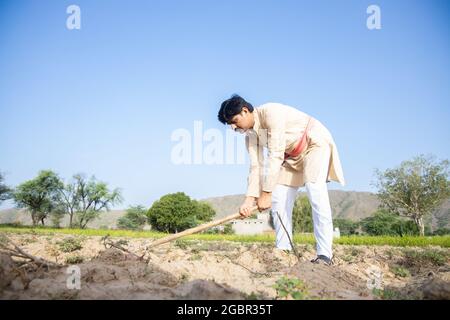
345,204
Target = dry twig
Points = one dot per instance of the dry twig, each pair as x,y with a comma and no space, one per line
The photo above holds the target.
106,240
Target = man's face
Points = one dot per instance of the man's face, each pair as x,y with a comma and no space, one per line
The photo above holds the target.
242,121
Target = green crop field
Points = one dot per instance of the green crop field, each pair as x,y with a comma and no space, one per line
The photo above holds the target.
406,241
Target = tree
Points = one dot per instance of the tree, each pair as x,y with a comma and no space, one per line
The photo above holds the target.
441,232
302,215
346,226
415,188
5,191
205,212
56,216
70,197
176,212
380,223
39,195
383,222
228,229
90,197
134,218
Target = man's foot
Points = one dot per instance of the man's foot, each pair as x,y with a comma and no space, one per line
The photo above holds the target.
322,259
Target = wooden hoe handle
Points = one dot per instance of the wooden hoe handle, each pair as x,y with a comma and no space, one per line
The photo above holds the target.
199,228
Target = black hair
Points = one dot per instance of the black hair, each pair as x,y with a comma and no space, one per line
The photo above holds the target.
231,107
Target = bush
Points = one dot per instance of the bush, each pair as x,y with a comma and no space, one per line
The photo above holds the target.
228,229
74,259
69,245
427,257
56,217
400,271
205,212
389,224
291,288
176,212
346,226
134,218
441,232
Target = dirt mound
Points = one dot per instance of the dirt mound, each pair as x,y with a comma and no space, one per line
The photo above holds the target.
113,275
435,288
431,287
331,282
7,266
207,290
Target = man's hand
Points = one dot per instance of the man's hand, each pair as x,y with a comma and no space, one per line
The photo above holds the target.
244,209
264,201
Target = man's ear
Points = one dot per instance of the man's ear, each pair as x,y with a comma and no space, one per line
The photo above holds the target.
245,109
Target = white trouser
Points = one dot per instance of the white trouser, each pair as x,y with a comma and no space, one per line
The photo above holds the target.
283,198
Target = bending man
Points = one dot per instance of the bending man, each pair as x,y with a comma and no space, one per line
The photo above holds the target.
301,152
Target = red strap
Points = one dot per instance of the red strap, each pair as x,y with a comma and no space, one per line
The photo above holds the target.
301,146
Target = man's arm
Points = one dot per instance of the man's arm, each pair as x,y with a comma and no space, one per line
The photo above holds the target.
276,144
255,151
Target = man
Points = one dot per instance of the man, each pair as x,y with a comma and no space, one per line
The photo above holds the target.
301,152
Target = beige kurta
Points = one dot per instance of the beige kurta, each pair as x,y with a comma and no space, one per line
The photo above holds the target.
278,128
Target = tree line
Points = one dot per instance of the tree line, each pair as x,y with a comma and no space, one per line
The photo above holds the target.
83,200
47,196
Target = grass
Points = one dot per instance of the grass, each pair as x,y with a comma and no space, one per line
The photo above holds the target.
407,241
400,271
75,259
431,257
387,294
291,288
350,254
69,245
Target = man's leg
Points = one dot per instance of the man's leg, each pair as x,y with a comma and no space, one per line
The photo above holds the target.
321,210
283,198
323,221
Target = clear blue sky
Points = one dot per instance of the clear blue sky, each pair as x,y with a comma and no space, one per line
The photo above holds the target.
105,99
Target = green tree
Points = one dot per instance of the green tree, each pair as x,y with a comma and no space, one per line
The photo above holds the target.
39,195
346,226
5,191
70,197
91,198
380,223
205,212
176,212
56,216
134,218
441,232
228,229
415,188
383,222
408,228
302,215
